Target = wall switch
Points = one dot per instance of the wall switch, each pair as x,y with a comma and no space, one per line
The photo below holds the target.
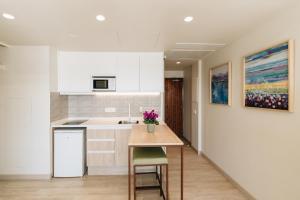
110,110
141,109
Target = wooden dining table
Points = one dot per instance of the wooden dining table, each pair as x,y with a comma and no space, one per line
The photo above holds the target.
162,137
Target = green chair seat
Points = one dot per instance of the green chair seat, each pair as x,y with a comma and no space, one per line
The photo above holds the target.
149,156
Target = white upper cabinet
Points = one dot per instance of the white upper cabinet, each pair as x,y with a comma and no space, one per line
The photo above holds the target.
134,72
75,69
73,73
152,72
128,72
102,64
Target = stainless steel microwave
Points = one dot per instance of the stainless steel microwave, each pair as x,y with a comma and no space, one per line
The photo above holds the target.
104,83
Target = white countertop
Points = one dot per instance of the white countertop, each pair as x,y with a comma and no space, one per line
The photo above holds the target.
96,123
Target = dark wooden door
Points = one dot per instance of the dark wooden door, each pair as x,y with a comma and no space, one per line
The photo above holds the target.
173,104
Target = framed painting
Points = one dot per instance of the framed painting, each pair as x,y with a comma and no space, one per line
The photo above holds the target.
268,78
220,84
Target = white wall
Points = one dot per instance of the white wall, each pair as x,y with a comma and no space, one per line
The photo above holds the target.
53,71
24,111
200,108
174,74
258,148
196,106
187,107
192,103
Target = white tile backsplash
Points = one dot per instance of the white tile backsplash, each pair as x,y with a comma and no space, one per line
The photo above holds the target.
59,106
94,106
101,106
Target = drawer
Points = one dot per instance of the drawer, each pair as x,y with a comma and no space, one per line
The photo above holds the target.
100,134
98,158
100,145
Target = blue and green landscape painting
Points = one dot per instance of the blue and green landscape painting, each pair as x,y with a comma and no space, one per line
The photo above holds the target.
266,78
219,84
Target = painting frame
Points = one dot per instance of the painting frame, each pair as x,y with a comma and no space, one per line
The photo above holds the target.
290,76
229,69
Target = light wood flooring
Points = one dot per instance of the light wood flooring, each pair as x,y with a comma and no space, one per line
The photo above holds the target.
202,182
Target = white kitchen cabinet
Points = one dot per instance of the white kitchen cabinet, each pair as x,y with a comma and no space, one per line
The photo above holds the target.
128,72
102,63
75,69
73,73
152,72
135,72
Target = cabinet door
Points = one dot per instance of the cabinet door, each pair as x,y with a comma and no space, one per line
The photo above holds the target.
75,69
128,72
122,137
100,134
100,140
102,64
100,159
152,72
73,73
100,148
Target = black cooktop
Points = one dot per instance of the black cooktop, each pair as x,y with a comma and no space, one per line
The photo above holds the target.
75,122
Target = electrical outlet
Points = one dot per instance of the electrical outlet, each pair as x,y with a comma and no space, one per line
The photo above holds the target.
110,110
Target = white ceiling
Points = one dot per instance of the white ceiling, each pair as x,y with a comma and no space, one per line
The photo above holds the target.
171,64
134,25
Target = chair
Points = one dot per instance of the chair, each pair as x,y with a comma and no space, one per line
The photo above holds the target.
150,156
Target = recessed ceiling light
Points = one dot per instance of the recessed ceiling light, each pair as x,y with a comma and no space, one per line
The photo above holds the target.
188,19
8,16
178,62
100,18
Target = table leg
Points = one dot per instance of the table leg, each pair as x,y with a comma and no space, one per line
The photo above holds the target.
129,173
181,171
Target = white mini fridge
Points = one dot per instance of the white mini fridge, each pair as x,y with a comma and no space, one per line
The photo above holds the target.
69,153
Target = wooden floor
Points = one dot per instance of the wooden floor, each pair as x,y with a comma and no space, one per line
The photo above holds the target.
201,182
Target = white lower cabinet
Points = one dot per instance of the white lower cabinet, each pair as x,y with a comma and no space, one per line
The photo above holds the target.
107,151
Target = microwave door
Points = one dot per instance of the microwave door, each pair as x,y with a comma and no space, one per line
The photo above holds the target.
100,84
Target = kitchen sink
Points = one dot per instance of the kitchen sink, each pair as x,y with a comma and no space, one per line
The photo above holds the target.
128,122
